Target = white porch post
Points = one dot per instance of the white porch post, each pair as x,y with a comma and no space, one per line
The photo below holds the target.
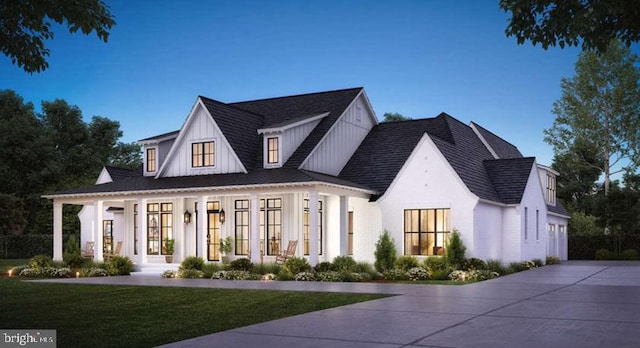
201,250
344,225
142,229
98,209
313,228
57,231
254,228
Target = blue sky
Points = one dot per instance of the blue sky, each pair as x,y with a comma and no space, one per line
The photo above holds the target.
418,58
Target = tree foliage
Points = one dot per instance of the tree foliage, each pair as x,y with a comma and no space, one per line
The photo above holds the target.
25,25
53,151
385,252
598,116
576,184
394,117
566,23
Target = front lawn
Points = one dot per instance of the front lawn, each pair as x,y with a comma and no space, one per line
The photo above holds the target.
137,316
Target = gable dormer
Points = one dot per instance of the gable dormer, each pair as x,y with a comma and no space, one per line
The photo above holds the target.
155,150
280,141
548,178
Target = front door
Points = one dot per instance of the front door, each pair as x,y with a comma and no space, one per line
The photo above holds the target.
213,231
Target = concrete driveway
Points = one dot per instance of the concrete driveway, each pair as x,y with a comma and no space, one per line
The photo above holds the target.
575,304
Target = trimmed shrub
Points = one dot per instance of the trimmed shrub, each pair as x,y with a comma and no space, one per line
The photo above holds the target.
455,250
496,266
119,265
46,272
552,260
72,256
323,267
304,277
473,263
406,262
242,264
209,268
295,265
330,276
40,261
537,262
395,274
192,262
284,275
385,253
266,268
603,254
344,264
435,263
169,274
190,273
629,254
418,273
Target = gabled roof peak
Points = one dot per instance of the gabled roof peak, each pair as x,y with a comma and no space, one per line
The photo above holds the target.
298,95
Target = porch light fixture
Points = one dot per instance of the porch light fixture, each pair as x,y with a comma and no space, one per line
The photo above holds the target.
222,216
187,217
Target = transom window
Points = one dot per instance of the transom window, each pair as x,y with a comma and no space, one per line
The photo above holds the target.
306,227
151,159
273,149
203,154
426,231
159,227
271,224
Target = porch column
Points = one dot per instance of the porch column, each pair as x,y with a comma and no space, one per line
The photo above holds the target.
254,228
201,241
98,210
344,225
313,228
57,230
142,230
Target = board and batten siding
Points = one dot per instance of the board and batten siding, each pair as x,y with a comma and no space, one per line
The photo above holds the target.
292,138
201,128
427,181
339,144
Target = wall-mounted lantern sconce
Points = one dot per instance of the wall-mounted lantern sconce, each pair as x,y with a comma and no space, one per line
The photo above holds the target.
222,216
187,217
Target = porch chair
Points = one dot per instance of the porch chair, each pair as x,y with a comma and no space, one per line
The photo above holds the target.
116,252
87,252
290,252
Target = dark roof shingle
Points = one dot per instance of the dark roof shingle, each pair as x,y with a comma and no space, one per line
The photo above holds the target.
501,147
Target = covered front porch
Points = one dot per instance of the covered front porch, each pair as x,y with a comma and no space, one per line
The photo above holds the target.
260,220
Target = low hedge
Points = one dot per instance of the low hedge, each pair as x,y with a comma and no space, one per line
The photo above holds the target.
584,247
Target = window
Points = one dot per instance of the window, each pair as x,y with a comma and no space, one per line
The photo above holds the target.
242,227
159,227
537,224
107,235
350,233
305,227
551,189
151,159
426,231
526,223
135,229
213,231
203,154
272,150
271,224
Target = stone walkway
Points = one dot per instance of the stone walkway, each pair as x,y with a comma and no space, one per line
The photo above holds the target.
576,304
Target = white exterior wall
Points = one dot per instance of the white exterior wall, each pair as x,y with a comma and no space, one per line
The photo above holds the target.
488,231
535,245
367,228
427,181
292,138
200,127
512,235
557,243
339,144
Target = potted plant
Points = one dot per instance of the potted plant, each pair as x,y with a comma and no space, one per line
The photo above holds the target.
169,248
226,247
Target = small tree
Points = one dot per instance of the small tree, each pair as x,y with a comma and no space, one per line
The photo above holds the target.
455,250
385,252
72,256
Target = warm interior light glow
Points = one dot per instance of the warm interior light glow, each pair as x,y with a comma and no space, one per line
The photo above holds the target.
222,216
10,271
187,217
77,274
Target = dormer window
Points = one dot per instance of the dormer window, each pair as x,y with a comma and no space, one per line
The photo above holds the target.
551,189
152,160
203,154
273,150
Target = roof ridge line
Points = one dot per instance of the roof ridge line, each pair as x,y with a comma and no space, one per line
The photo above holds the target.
233,106
296,95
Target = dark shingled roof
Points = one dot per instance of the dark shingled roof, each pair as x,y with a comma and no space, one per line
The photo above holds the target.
118,173
256,177
161,136
282,109
558,209
509,177
501,147
388,146
240,127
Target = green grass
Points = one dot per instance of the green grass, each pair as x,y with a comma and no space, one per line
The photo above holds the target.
138,316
